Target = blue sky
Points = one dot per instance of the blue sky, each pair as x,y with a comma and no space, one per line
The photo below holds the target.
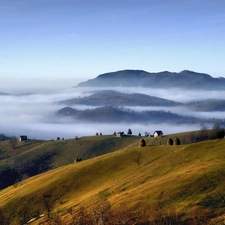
80,39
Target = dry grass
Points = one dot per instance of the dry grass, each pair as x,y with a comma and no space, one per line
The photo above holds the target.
181,177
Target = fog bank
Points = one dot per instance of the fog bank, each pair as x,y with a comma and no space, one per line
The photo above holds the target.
34,114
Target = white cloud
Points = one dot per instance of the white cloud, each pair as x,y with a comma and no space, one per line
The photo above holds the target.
33,115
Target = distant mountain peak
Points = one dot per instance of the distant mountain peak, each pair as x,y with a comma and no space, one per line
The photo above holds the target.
185,79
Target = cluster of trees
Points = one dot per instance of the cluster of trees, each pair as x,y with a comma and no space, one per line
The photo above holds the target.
207,134
143,214
2,137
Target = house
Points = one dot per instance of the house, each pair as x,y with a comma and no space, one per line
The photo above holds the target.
120,134
158,133
23,138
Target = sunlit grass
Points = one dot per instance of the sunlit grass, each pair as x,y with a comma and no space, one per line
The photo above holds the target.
172,176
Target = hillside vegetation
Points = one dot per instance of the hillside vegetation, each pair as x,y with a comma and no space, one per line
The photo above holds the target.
188,179
33,157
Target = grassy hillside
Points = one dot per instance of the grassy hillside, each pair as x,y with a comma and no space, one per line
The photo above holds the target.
32,157
186,178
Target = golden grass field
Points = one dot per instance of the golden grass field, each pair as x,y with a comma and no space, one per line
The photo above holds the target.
183,177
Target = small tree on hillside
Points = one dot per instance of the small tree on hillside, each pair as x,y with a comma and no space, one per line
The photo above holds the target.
13,142
48,202
129,132
2,218
204,132
217,131
2,137
138,159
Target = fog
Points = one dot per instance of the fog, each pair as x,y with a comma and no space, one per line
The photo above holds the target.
175,94
34,114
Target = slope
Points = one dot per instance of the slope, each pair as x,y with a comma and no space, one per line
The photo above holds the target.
138,78
116,98
34,157
183,177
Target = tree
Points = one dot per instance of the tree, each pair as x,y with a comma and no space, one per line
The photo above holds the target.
2,137
24,211
216,126
138,159
204,132
48,202
129,132
13,142
217,131
101,212
2,218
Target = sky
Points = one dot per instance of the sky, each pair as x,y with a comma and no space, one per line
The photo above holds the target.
63,42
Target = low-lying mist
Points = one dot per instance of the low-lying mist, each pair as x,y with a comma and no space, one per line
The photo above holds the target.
34,114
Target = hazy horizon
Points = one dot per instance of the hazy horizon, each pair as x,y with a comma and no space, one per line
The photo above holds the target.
34,114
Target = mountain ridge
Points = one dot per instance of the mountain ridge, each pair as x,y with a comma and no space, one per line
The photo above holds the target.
111,97
139,78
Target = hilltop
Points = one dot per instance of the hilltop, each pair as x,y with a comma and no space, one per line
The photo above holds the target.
3,93
115,98
182,182
138,78
110,114
33,157
208,105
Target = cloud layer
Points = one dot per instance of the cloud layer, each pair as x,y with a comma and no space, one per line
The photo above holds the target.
34,114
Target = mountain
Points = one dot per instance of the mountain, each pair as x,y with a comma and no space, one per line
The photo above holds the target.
2,93
110,114
209,105
139,78
115,98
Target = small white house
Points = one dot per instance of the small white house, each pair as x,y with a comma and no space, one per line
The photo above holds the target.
120,134
158,133
23,138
